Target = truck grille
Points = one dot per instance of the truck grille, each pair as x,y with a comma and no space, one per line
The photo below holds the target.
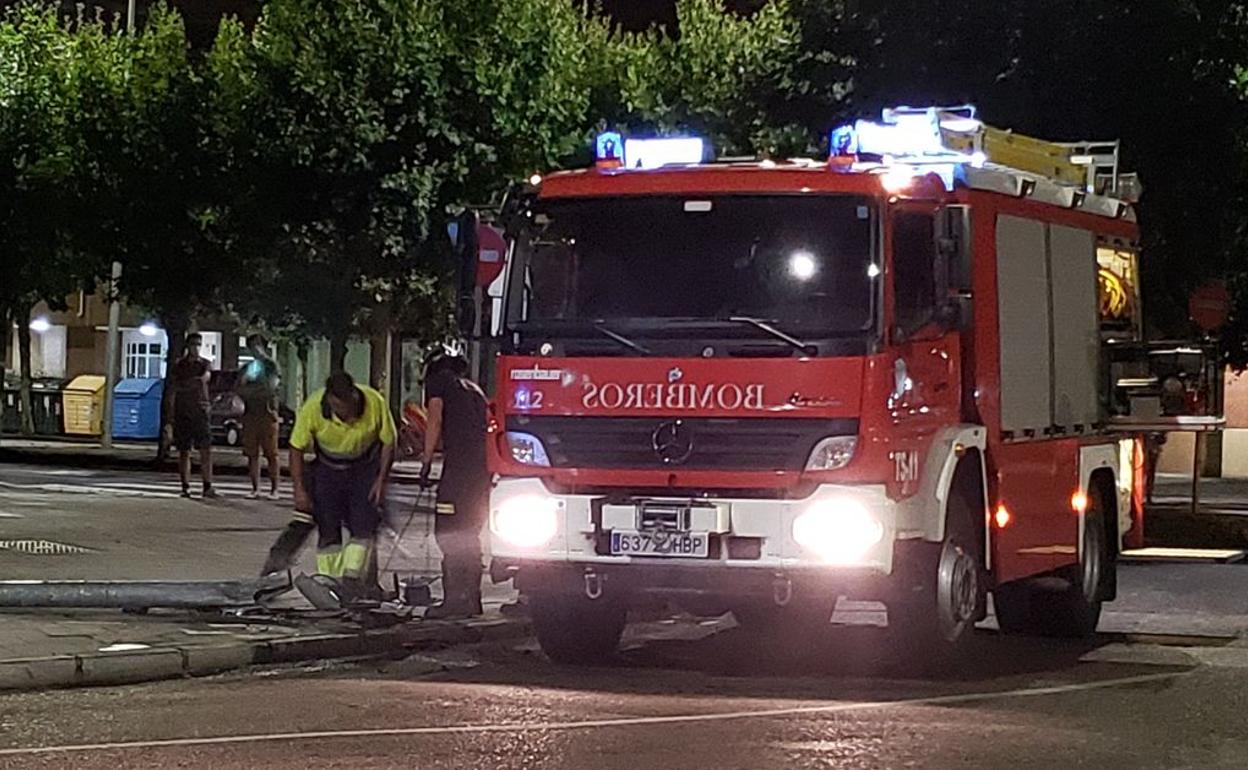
751,444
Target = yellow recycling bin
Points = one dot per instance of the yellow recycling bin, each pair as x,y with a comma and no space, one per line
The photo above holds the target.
83,403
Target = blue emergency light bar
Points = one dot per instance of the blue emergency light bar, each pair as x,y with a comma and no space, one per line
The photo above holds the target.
909,140
612,150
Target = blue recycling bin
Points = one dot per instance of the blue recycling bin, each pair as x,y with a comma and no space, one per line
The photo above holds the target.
136,408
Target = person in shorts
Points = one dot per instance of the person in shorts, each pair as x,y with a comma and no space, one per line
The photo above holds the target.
258,387
191,427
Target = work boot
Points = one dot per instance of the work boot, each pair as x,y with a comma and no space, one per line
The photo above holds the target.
459,600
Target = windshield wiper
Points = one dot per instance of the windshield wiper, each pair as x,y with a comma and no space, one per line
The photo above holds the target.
602,329
805,347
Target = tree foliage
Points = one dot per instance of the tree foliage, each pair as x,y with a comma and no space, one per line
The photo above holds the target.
39,98
372,122
721,77
301,172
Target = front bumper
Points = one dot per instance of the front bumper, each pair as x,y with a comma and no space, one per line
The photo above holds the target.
749,535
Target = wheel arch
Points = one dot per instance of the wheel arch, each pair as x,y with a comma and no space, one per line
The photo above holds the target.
1098,469
955,448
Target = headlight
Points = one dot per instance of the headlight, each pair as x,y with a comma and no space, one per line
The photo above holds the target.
526,521
527,449
832,453
840,530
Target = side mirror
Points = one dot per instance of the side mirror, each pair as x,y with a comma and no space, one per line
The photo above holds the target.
465,250
953,267
953,249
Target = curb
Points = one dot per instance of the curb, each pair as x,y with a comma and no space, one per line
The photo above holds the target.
157,663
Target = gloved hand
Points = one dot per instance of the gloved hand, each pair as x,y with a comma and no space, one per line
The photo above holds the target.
425,482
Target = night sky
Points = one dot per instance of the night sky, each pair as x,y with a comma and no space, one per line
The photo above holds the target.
202,15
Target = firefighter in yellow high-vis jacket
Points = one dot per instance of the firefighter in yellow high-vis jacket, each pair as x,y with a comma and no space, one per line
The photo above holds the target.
351,431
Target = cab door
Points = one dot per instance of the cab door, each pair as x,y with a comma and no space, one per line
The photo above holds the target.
923,340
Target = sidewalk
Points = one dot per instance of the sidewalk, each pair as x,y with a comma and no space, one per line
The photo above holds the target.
115,534
128,455
71,648
1220,519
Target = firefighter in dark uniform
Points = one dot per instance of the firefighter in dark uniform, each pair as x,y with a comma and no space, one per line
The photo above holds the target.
456,417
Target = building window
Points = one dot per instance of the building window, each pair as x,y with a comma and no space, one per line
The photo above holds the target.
47,350
210,349
145,358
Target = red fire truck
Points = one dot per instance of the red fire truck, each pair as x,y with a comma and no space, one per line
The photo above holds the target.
914,373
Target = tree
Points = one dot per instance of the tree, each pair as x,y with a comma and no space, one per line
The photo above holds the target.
723,77
154,172
38,157
372,123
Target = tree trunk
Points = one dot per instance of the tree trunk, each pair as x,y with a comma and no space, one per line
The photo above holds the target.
338,352
23,353
379,362
301,350
5,325
175,329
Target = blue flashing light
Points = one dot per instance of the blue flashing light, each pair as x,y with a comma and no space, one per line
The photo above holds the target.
912,138
609,147
843,141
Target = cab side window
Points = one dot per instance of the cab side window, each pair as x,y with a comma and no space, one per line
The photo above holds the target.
914,266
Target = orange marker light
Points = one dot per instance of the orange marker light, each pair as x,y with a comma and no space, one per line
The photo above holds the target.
1002,516
1079,501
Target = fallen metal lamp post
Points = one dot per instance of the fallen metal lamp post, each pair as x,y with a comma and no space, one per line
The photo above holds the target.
128,594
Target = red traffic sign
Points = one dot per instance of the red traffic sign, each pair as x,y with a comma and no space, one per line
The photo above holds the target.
1209,306
491,253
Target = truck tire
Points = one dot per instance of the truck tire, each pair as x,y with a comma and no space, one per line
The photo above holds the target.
942,591
1072,608
576,630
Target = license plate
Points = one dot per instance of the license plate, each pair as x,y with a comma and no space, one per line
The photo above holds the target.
683,545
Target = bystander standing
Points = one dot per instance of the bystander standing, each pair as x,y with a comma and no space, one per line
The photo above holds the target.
191,427
258,387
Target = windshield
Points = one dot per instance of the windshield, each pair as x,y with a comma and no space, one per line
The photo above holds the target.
803,263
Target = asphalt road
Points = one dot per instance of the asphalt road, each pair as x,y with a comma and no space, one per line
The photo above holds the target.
682,695
148,484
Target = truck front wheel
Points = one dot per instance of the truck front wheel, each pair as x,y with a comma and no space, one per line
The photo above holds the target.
576,630
942,590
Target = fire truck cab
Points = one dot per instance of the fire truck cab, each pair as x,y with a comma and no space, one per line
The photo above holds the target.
755,387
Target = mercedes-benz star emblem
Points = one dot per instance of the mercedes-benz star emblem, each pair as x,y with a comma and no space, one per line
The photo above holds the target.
672,442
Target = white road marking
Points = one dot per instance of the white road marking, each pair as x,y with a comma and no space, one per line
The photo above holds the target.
76,489
936,700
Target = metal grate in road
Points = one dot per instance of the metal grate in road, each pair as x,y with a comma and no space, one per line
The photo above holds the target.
42,547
